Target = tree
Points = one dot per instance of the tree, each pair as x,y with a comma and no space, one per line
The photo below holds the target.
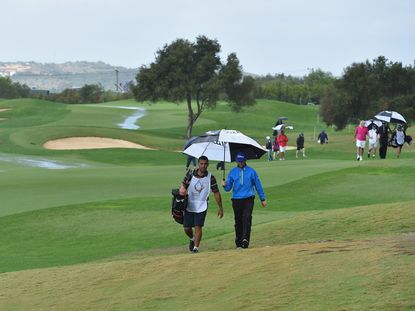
194,73
91,93
367,88
10,89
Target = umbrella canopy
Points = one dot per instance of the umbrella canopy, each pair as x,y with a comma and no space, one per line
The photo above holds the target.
390,117
373,124
280,120
223,145
282,127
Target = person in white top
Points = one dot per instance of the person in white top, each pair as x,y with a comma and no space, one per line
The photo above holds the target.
373,142
400,139
198,185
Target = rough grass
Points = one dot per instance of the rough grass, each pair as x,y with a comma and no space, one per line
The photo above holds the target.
346,275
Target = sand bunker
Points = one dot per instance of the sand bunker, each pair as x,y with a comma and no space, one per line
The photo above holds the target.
76,143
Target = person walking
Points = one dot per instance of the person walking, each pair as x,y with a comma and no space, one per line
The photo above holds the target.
198,185
268,146
300,145
373,141
400,139
243,180
282,141
360,134
275,148
323,138
383,136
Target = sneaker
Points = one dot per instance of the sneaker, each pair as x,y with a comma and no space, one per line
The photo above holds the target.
373,156
245,243
195,250
191,245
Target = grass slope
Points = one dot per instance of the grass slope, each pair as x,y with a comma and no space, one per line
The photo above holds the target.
374,273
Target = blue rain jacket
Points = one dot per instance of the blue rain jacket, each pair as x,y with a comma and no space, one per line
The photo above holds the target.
244,182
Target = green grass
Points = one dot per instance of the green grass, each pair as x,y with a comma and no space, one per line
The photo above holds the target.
102,237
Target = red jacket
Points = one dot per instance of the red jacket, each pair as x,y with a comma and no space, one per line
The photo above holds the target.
282,140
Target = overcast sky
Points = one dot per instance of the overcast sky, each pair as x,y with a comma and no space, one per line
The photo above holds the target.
268,36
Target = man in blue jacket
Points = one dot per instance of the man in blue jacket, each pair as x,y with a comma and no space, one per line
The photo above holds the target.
244,181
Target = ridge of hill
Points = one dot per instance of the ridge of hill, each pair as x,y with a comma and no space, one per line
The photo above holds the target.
56,77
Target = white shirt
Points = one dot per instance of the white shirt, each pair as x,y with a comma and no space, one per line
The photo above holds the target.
373,137
400,137
198,192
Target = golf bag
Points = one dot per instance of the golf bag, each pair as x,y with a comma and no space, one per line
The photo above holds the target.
392,142
408,139
178,206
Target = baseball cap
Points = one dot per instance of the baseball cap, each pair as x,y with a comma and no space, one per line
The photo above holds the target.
240,157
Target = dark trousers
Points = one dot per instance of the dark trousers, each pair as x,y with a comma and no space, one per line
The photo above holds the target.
242,210
383,149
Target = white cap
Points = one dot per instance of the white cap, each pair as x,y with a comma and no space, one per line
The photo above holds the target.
267,137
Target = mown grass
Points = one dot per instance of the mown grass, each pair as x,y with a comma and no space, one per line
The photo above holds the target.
337,233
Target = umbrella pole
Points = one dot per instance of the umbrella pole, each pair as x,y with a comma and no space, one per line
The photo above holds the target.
224,148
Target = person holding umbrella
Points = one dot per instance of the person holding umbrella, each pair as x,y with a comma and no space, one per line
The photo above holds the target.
383,134
243,180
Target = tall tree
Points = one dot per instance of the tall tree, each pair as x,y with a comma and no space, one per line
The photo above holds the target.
367,88
194,73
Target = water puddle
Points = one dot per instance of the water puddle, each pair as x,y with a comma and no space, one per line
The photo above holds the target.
40,163
130,122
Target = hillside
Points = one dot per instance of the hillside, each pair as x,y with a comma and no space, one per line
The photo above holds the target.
56,77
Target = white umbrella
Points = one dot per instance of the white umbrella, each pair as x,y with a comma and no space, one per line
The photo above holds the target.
223,145
370,123
282,127
390,117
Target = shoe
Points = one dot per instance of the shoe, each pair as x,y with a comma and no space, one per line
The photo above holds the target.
245,243
195,250
373,156
191,245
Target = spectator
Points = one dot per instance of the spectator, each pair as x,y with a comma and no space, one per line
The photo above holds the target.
373,141
275,148
383,135
282,142
268,146
360,134
323,138
300,145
